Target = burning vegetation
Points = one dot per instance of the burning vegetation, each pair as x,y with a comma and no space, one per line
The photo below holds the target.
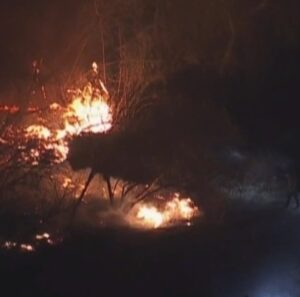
36,142
182,119
174,211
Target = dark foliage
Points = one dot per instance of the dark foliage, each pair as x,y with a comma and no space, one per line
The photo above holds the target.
174,133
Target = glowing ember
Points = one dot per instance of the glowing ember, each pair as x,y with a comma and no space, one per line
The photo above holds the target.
50,241
10,109
55,106
172,212
32,109
9,245
27,247
38,131
42,236
67,183
45,238
40,240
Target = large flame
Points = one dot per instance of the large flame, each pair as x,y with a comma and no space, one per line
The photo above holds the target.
88,111
175,210
93,116
46,140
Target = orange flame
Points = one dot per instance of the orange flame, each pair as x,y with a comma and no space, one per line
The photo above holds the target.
174,211
87,112
38,131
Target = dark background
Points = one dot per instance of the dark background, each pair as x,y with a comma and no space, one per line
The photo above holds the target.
33,30
252,59
254,44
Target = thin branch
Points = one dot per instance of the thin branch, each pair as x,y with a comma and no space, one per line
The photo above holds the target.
130,188
144,196
230,44
115,186
110,192
90,178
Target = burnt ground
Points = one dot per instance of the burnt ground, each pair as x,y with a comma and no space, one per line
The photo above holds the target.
254,253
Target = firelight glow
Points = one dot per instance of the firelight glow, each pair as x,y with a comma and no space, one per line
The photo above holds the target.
87,112
174,211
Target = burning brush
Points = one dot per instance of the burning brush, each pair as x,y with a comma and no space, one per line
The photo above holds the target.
32,245
46,141
172,211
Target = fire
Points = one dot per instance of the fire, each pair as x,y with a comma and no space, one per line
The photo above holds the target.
42,236
88,111
27,247
9,109
33,244
150,216
55,106
9,245
67,183
13,109
174,211
47,138
90,115
37,131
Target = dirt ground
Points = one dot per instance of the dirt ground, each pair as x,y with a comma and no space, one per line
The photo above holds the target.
253,253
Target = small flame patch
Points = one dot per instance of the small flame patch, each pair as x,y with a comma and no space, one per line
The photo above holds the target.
175,211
